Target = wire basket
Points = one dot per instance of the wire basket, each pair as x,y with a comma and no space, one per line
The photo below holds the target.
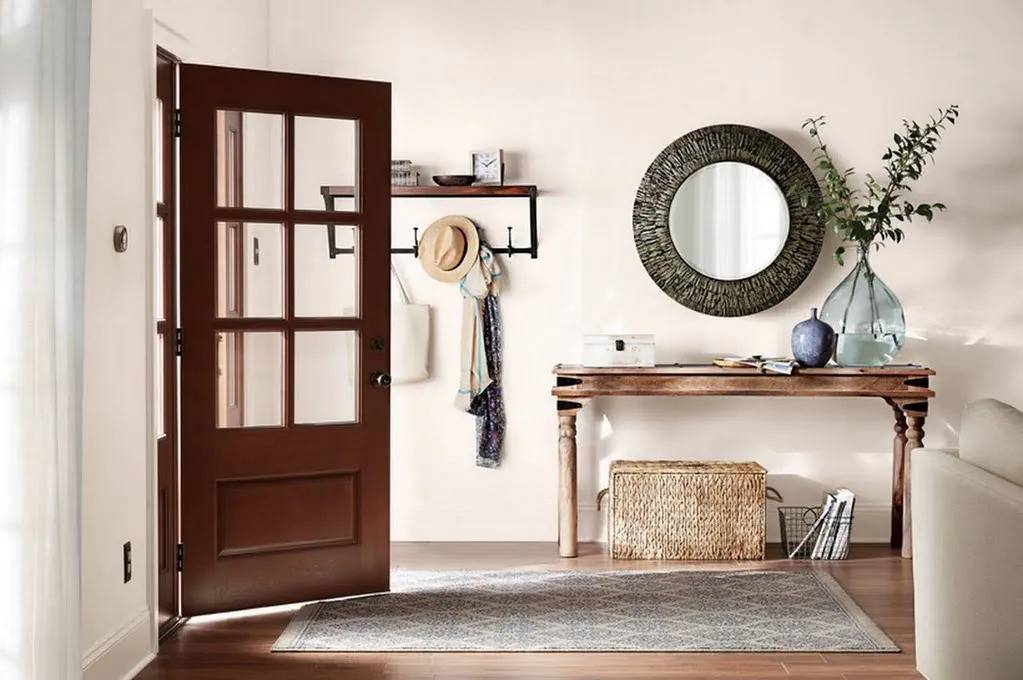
800,533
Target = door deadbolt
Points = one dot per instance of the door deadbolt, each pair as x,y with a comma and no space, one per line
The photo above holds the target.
380,380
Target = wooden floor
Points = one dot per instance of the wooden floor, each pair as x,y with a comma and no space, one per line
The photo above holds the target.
238,645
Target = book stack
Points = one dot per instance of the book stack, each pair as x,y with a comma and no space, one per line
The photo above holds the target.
763,364
830,533
403,174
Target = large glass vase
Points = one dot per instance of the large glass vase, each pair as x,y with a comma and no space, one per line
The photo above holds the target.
869,324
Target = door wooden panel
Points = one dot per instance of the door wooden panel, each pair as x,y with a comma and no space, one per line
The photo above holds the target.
296,511
319,509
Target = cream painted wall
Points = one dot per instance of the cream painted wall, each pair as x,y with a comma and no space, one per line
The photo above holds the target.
116,619
220,32
582,96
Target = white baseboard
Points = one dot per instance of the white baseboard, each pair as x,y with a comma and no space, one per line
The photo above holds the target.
123,653
871,524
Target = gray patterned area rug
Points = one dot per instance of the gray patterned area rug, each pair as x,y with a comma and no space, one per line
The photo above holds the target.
636,611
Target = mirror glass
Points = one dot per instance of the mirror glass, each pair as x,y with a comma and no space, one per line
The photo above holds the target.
729,220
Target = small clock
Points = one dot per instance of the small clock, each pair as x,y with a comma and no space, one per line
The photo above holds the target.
488,166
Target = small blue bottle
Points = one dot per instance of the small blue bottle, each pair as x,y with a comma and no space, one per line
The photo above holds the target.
813,342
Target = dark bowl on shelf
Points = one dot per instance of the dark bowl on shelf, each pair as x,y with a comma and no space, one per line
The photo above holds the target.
454,180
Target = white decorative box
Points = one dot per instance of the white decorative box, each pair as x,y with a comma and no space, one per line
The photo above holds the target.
608,351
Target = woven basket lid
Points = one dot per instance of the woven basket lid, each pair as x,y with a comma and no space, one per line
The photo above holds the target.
694,467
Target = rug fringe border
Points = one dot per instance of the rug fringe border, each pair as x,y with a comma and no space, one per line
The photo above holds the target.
296,628
863,621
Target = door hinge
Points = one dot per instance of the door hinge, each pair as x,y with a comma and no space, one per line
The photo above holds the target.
180,561
177,122
178,342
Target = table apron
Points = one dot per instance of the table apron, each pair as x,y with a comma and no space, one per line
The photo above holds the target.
887,387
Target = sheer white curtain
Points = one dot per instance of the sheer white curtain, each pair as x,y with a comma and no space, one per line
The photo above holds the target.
44,56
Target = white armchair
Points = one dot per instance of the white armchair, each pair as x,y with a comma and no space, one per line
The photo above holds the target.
968,549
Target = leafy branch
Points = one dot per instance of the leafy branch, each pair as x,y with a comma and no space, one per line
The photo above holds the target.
875,213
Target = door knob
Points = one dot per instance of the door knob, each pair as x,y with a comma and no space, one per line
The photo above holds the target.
380,380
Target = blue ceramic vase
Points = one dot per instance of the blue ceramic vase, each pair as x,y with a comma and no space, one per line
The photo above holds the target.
812,341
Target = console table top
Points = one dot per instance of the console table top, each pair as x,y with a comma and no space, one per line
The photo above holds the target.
907,370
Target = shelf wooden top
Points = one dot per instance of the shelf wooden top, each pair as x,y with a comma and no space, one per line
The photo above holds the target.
471,191
907,370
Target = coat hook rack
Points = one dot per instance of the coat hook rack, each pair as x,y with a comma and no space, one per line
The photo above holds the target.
330,193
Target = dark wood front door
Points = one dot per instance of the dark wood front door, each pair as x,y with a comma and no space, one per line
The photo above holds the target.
284,431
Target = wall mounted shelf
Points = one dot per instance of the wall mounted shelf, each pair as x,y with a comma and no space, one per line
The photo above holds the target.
332,192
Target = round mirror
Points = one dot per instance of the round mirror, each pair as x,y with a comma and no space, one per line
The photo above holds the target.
729,220
726,220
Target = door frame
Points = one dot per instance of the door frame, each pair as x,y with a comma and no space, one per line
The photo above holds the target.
165,87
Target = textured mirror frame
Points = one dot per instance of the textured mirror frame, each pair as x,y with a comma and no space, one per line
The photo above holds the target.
674,165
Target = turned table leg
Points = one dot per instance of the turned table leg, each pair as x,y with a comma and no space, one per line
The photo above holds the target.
568,499
898,476
914,440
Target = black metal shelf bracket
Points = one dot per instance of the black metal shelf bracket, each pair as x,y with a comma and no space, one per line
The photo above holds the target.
532,249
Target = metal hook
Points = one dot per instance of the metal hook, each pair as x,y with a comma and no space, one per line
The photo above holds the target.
510,252
415,241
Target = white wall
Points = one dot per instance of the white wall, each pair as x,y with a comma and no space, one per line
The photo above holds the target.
116,619
220,32
582,96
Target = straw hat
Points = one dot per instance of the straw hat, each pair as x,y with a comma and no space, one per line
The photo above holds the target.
449,248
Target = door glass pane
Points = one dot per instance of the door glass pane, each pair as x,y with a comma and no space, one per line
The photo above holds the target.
325,155
325,285
250,167
158,141
249,378
158,383
325,370
159,273
250,270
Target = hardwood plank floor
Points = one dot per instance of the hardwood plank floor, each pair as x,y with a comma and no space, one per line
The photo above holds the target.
238,645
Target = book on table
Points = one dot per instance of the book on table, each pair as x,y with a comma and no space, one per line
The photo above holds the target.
779,365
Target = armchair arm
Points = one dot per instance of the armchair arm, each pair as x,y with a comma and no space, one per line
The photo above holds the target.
968,554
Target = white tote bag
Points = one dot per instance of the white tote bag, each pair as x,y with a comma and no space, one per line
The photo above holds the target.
410,338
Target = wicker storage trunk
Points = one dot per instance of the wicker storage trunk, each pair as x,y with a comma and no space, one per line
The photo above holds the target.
679,510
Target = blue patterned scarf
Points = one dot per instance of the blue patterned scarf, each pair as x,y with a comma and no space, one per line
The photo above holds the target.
480,388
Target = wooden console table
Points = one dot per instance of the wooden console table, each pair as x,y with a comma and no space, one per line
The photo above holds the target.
906,389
